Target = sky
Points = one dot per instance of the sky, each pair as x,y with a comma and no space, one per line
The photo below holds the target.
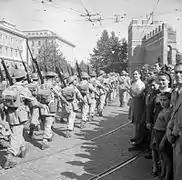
63,17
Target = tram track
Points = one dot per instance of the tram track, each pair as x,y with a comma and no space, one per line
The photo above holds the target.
115,168
75,145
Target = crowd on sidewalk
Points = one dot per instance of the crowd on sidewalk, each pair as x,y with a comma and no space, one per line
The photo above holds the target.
154,97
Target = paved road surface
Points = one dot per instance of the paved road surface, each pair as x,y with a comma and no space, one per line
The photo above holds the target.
80,158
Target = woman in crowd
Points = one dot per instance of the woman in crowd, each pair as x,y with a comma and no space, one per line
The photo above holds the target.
138,105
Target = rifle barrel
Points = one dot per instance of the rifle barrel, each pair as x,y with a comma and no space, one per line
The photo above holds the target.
36,64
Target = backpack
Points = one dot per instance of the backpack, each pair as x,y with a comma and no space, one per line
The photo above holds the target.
83,88
44,94
68,93
11,96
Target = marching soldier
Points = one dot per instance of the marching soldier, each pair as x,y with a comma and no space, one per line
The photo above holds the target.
15,98
70,107
124,84
86,88
93,95
34,111
102,94
46,96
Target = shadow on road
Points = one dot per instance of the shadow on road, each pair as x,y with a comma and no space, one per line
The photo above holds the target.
98,155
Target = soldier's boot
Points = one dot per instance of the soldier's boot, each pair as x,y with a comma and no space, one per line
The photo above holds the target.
100,113
68,134
31,132
45,145
9,163
23,152
50,139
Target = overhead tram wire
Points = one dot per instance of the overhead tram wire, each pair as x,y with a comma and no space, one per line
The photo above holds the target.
59,7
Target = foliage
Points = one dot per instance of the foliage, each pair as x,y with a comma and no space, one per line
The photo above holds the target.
49,57
110,53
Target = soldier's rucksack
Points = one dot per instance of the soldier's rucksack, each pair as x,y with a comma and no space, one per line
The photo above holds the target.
11,96
44,94
83,88
68,93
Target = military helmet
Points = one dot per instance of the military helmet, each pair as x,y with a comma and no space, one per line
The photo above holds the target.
84,75
19,73
93,74
123,73
50,74
71,79
34,76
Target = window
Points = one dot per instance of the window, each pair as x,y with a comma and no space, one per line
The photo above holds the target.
1,37
11,52
16,53
32,43
39,43
1,50
6,52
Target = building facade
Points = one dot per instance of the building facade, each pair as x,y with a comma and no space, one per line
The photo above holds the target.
12,45
150,43
37,38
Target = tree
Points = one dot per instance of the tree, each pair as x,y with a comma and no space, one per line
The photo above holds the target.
110,53
49,57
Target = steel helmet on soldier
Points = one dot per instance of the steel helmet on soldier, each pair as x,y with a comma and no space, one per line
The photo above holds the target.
19,73
123,73
50,74
71,79
85,75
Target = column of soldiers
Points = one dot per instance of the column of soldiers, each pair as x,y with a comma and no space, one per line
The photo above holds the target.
38,105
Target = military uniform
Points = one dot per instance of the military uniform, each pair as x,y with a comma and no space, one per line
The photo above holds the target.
46,96
14,98
34,111
93,95
124,84
102,94
86,89
70,95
